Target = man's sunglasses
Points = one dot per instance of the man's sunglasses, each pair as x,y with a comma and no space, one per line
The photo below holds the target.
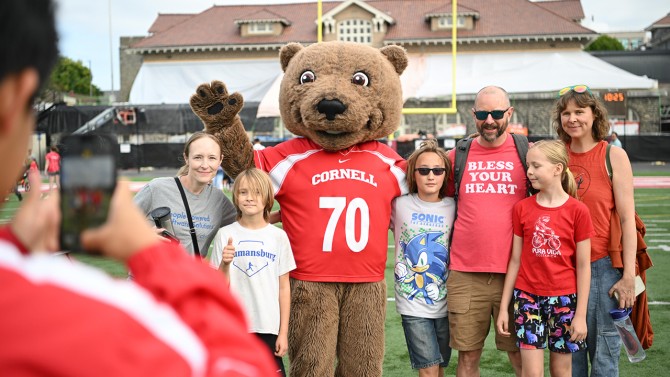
574,88
495,114
426,171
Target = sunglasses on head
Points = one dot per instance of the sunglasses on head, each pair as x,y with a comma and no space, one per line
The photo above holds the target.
574,88
495,114
426,171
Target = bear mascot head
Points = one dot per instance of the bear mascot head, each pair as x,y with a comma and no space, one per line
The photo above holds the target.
341,94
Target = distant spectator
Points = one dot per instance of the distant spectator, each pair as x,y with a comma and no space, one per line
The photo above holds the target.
32,165
52,167
257,144
615,140
218,178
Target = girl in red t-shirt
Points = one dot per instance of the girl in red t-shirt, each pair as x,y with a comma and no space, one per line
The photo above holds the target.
549,272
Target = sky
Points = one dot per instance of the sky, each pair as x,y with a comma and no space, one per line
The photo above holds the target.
85,26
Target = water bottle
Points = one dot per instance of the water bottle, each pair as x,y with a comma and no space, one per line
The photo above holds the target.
162,217
629,338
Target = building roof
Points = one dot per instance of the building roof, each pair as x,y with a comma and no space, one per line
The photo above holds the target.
661,23
445,10
498,20
377,12
166,21
262,15
568,9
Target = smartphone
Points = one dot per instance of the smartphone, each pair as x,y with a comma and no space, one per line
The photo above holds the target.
171,237
87,181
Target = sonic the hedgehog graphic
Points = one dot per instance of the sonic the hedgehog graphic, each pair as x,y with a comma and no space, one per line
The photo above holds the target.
424,266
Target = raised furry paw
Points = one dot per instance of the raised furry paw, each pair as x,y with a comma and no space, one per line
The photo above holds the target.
215,107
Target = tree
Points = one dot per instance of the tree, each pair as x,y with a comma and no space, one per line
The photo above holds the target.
72,76
605,43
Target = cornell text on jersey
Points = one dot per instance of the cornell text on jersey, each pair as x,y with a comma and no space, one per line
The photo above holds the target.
335,174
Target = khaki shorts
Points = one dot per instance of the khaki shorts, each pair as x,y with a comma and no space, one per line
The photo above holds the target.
473,298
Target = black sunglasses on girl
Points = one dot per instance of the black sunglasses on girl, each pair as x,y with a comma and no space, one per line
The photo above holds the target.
426,171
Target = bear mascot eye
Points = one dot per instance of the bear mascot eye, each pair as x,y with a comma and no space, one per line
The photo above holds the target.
307,76
360,78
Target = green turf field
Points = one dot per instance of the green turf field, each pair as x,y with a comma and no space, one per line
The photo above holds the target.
654,208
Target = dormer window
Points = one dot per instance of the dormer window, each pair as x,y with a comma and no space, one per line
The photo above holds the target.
441,19
262,23
355,31
260,28
445,22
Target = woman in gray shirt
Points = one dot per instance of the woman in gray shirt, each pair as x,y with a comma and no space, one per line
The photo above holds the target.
210,208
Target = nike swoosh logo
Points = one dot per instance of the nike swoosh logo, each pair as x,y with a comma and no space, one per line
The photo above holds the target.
343,161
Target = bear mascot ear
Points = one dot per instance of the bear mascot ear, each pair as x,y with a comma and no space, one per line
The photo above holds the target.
288,52
396,55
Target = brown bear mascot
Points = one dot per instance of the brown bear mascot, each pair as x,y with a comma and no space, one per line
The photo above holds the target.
335,185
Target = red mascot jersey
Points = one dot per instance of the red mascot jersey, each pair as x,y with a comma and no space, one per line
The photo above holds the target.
335,206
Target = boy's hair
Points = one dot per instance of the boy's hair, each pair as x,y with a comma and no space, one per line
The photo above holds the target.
54,148
601,124
427,146
259,182
187,148
556,153
28,38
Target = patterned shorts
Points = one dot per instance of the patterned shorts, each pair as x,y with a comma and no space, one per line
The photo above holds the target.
538,317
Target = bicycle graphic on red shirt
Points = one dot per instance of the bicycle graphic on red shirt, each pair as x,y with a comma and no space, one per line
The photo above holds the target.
544,235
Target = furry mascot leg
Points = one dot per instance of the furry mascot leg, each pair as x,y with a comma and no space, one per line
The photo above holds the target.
360,348
337,320
312,328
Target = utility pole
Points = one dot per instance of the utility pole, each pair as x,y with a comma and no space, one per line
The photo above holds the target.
111,51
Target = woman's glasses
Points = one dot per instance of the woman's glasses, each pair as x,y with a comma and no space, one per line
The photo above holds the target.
426,171
495,114
575,88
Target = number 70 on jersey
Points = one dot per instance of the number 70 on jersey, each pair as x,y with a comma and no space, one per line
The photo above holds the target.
339,205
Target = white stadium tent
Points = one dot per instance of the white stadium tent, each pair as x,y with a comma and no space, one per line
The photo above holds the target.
175,82
427,76
521,72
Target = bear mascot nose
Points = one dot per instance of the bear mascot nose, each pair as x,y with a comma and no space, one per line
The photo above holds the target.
331,108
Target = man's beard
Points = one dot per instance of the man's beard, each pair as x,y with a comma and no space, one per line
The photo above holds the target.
488,137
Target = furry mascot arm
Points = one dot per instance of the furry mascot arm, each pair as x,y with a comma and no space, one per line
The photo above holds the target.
219,110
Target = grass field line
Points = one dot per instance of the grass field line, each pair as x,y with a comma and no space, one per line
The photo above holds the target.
392,299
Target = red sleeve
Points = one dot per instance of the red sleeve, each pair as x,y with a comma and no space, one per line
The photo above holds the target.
200,296
7,234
